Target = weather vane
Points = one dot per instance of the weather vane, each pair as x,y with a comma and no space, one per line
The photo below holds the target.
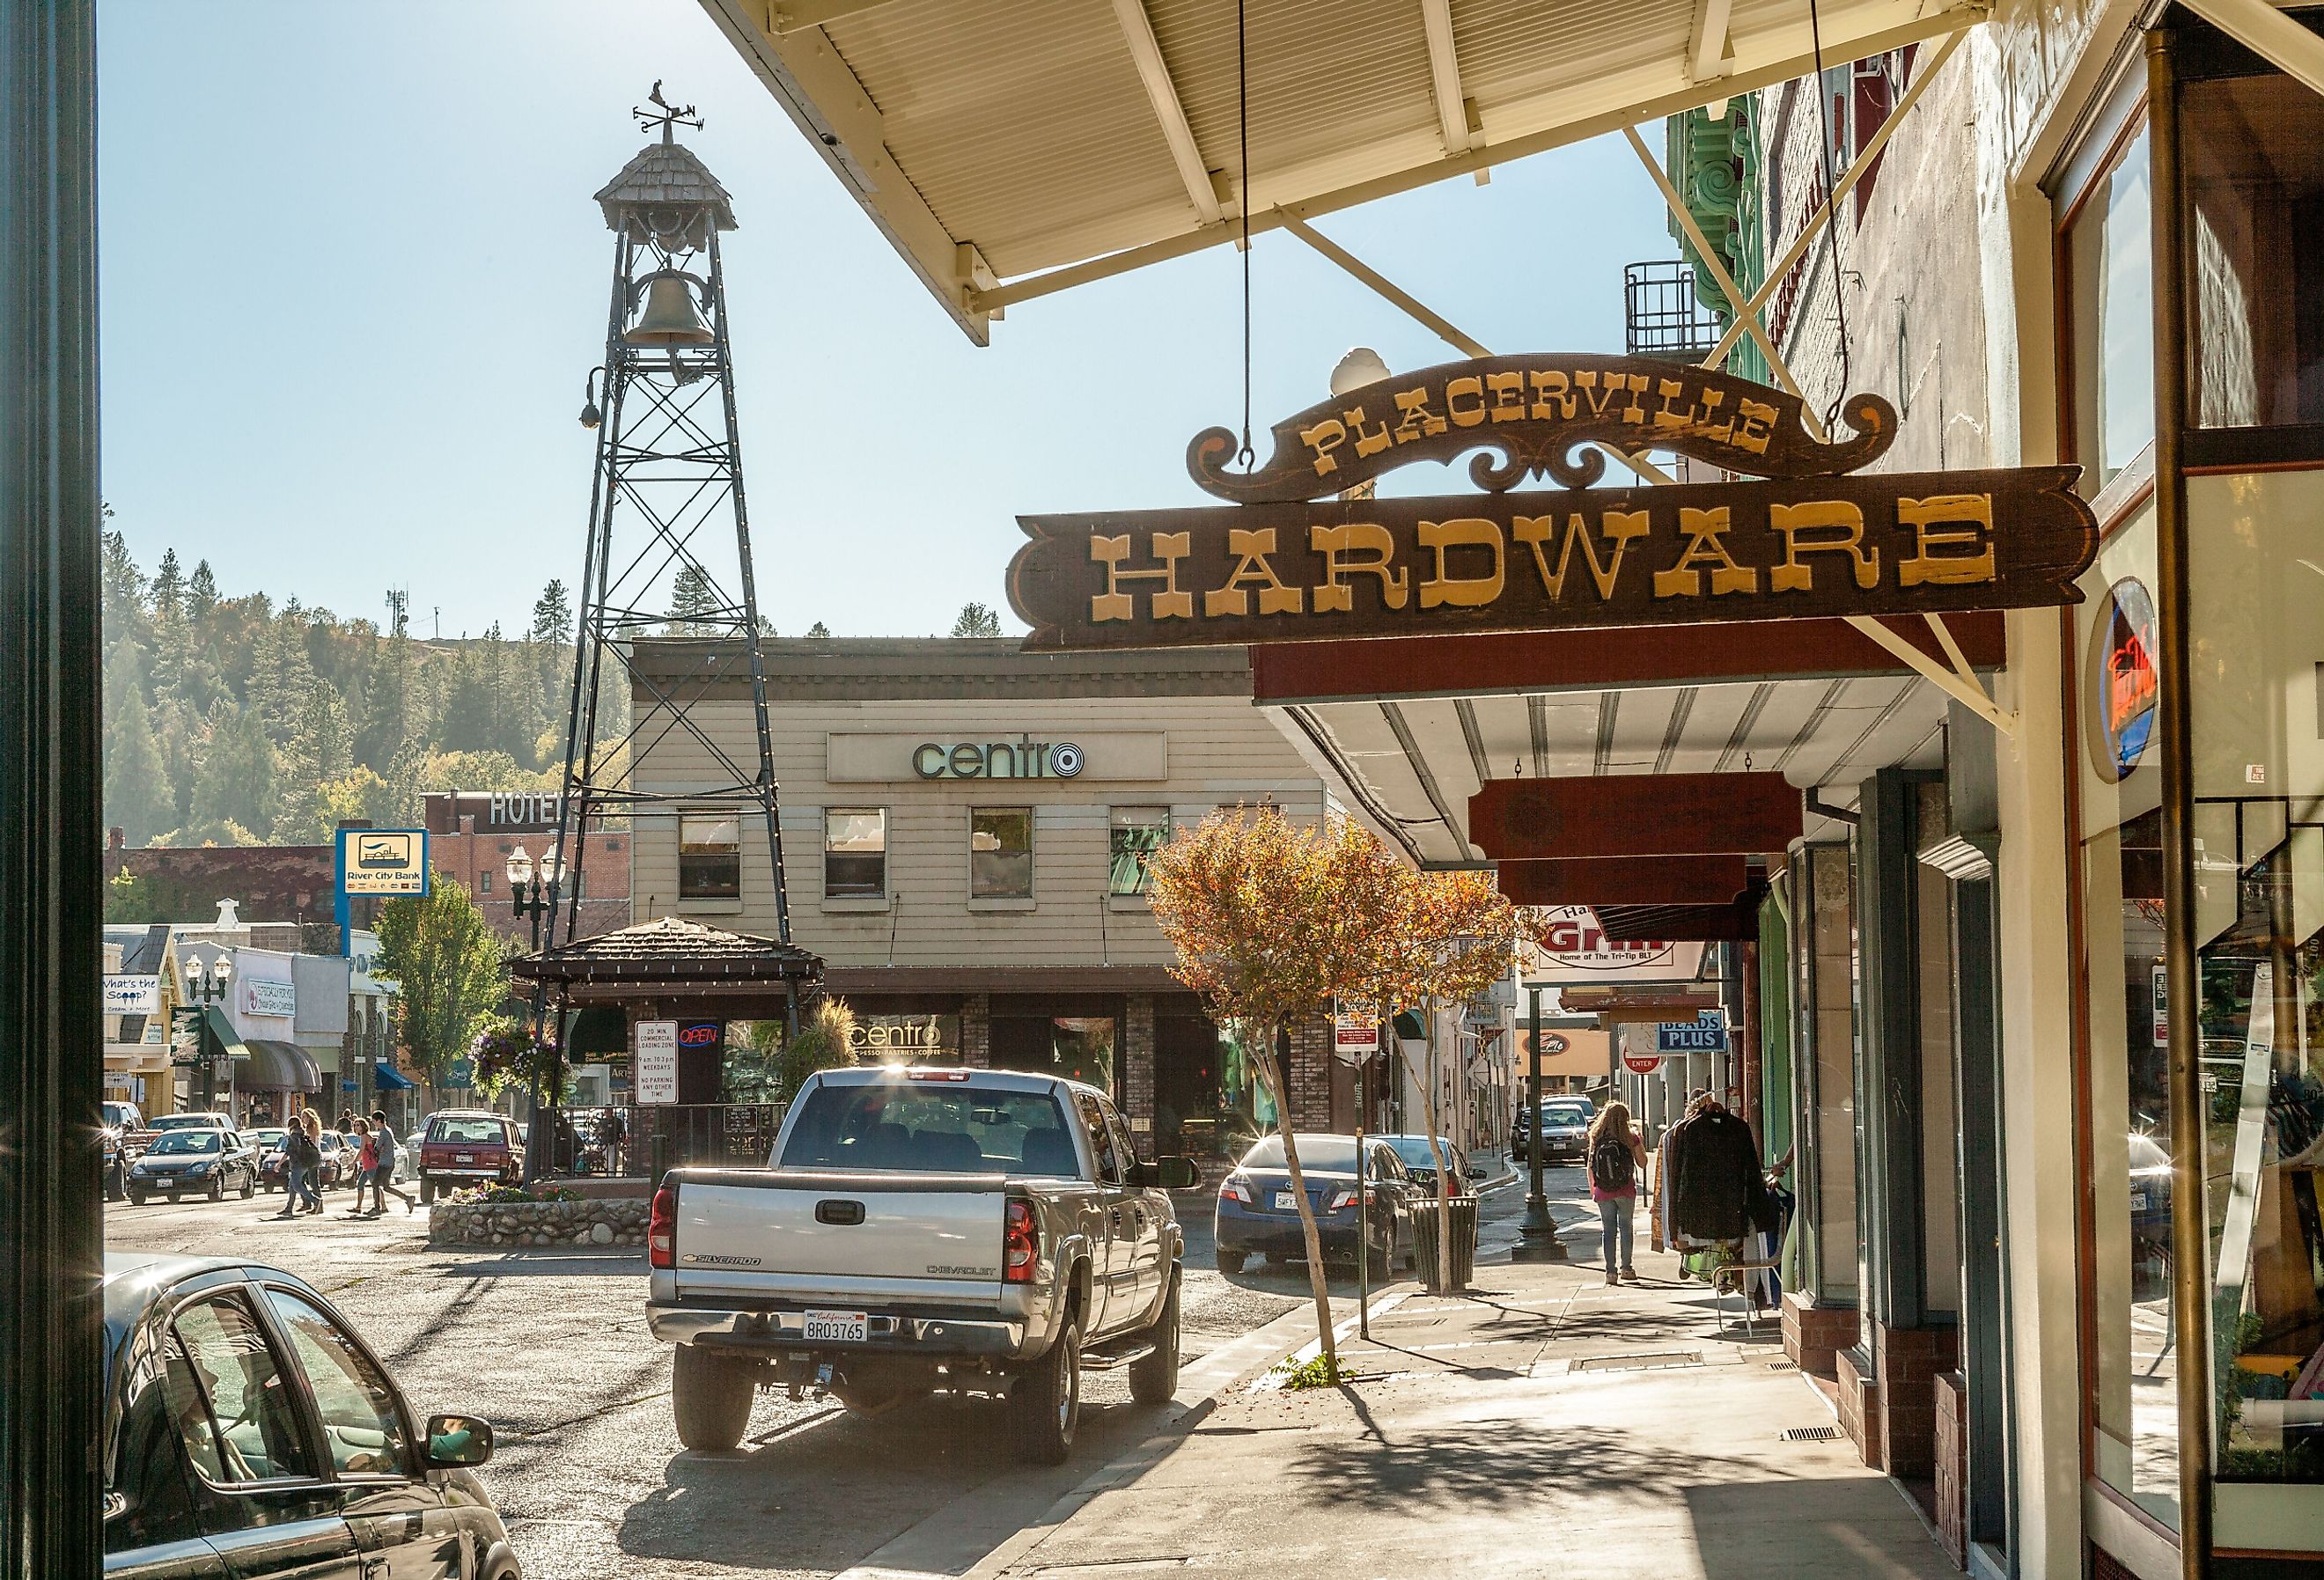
666,116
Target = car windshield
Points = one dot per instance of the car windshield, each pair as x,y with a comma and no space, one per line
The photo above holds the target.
914,1127
120,1114
272,1136
1564,1115
467,1132
1417,1154
188,1121
187,1140
1324,1154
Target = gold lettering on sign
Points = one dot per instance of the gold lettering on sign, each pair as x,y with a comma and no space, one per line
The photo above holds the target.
1369,441
1553,397
1418,421
1113,604
1462,592
1619,528
1695,418
1323,439
1633,412
1755,425
1335,544
1972,515
1792,520
1471,388
1506,391
1251,570
1587,383
1704,530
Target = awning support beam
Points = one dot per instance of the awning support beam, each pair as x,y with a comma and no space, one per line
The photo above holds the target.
1966,692
2270,35
1444,77
1145,53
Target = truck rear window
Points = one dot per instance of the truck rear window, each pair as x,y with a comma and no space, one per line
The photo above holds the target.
467,1132
908,1128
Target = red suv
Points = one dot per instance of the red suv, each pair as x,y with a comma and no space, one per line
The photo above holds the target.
464,1147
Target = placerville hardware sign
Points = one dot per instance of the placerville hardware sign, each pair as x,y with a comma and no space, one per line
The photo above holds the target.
1804,542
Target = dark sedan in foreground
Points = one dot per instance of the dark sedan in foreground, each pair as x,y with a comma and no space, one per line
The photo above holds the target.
1257,1212
248,1431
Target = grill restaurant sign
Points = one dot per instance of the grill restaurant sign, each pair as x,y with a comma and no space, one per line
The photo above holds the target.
1291,559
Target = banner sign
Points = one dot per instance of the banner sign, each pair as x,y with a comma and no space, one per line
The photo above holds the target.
132,995
656,1070
1707,1033
1282,566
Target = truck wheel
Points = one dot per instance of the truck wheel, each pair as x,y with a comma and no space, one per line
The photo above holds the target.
710,1395
1155,1379
1229,1261
1047,1400
116,1186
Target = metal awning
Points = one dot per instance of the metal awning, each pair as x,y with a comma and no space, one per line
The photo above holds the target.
386,1078
277,1066
1015,148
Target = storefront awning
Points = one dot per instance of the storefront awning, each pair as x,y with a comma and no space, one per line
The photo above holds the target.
223,1036
386,1078
1008,152
277,1066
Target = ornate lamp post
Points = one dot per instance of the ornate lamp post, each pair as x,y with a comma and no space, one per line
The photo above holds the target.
534,897
206,988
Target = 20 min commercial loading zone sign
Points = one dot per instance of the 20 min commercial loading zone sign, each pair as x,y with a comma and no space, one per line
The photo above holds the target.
1282,565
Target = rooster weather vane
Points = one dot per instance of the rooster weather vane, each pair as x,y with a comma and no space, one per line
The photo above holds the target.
665,115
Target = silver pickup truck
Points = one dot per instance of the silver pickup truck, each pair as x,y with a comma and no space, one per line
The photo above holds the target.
917,1230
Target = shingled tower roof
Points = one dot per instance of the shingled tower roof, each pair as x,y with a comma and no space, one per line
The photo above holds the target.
666,191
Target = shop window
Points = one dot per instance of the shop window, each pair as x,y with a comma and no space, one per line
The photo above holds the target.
1137,833
2254,218
1000,853
2109,290
709,856
855,853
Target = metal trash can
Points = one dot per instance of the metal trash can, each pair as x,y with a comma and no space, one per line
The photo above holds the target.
1462,1211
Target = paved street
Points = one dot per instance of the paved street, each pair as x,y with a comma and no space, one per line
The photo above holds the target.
552,1348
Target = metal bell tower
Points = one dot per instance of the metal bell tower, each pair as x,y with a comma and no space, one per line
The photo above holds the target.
670,539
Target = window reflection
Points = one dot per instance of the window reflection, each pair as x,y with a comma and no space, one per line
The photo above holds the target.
2110,298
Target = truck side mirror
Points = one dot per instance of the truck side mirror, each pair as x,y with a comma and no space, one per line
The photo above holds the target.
1168,1173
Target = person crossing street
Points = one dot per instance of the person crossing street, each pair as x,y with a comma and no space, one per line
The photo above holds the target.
382,1182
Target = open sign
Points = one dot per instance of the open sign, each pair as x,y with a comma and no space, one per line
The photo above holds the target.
700,1034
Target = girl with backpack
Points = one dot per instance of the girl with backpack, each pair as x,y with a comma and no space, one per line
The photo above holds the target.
1617,1159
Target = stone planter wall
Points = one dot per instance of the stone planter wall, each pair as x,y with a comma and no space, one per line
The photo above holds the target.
568,1224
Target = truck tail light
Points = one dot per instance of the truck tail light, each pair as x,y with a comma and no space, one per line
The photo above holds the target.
1235,1188
1021,1245
661,1229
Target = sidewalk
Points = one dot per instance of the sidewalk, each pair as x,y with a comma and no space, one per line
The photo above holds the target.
1543,1425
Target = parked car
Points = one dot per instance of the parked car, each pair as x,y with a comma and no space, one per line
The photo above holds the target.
1564,1131
464,1147
338,1160
923,1228
121,1121
1419,1160
193,1158
249,1430
1257,1212
142,1137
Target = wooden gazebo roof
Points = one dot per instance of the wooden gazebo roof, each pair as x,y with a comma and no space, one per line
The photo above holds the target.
673,955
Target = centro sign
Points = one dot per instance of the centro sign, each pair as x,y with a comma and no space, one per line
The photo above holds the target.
1023,758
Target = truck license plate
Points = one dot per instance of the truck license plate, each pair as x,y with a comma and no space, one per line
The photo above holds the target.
464,1158
841,1327
1285,1202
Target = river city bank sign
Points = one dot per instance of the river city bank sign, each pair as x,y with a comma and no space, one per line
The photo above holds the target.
1294,558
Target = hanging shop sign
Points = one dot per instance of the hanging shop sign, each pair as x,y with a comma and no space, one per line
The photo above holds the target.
1283,564
655,1051
1706,1033
1571,947
1642,1064
132,994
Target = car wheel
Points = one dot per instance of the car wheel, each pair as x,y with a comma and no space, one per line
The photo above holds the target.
1382,1258
1155,1379
249,1185
115,1186
136,1198
1229,1261
1047,1400
217,1187
710,1396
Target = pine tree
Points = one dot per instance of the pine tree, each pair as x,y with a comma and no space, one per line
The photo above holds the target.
201,592
169,588
234,781
552,615
976,619
137,796
320,751
693,596
820,631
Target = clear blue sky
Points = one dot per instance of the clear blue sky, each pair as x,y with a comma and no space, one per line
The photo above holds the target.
353,279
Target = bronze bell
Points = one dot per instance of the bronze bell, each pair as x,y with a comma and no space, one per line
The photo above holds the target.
670,316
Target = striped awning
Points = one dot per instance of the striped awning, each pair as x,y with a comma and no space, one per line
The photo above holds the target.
277,1066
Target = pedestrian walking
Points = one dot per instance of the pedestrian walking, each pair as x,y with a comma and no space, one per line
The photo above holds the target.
301,1160
1617,1159
382,1184
609,1138
366,1166
311,1125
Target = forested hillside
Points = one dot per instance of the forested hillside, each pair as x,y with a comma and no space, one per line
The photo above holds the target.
231,720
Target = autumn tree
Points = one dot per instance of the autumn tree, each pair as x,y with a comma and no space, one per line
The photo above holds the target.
1272,923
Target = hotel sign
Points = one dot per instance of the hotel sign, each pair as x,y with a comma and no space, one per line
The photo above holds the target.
1281,565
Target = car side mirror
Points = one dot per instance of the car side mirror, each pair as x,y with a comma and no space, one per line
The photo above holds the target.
458,1442
1168,1174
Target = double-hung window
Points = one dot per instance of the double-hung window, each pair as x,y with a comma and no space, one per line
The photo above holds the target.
855,853
709,856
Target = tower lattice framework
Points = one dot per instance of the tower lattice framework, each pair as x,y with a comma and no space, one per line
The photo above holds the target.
668,548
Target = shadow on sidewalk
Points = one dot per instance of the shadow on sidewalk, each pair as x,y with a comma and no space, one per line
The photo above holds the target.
1473,1466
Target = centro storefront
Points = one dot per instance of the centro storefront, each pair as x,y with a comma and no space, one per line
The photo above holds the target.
964,828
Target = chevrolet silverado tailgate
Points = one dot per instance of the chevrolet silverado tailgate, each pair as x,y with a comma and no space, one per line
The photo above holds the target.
863,1237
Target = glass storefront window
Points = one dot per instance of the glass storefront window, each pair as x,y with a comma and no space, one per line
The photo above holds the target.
2254,233
1000,853
2110,302
2134,1423
1137,833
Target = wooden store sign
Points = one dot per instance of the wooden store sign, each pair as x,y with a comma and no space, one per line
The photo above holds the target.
1282,565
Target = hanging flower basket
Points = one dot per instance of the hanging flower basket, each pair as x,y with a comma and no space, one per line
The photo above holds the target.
509,1055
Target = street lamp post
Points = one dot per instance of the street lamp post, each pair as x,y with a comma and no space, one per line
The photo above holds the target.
534,897
206,988
1541,1243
